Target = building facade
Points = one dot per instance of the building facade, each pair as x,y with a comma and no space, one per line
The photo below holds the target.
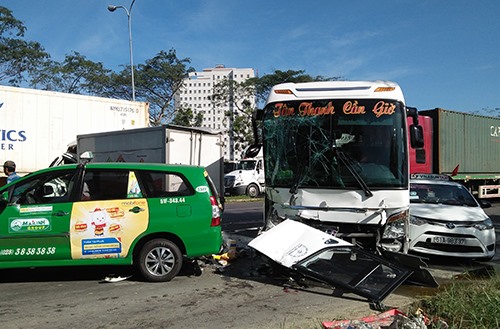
196,94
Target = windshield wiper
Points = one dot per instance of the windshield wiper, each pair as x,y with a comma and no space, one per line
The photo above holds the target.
348,163
454,203
298,178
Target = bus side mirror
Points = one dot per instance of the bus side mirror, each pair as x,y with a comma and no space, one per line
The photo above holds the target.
257,118
252,151
416,136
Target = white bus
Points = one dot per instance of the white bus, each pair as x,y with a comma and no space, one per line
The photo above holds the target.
336,158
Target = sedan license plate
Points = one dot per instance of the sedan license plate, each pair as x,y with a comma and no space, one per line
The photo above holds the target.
448,240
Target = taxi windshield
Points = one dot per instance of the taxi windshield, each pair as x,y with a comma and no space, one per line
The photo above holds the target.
441,193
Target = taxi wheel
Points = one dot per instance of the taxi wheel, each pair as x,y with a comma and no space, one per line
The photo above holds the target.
159,260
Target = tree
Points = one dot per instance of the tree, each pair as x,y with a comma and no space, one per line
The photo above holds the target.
185,117
157,82
76,74
119,85
244,97
239,100
242,129
18,58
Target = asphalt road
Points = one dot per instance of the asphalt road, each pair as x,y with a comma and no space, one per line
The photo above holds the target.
241,216
239,295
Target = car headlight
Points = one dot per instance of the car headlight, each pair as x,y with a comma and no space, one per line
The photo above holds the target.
417,220
484,225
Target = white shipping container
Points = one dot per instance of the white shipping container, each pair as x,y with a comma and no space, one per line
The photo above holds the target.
37,125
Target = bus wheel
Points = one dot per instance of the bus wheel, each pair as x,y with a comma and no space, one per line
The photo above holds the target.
159,260
253,190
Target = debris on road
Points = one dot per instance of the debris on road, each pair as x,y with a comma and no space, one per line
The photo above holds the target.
112,278
319,256
391,319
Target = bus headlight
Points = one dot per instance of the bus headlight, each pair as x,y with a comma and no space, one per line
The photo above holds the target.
395,228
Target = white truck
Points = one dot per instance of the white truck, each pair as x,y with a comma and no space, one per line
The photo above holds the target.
163,144
248,177
37,125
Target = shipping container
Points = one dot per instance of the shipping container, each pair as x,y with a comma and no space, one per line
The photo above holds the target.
38,125
467,146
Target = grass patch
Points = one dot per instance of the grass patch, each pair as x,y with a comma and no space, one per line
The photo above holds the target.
470,304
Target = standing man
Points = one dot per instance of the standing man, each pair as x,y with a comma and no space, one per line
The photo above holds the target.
9,168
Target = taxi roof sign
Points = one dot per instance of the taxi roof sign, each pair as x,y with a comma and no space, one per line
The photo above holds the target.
431,177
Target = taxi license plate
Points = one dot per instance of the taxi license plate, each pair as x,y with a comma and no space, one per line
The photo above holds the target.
448,240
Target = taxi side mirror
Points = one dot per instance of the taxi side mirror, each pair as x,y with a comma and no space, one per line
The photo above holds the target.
4,197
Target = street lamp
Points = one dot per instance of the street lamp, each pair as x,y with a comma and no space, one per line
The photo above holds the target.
112,8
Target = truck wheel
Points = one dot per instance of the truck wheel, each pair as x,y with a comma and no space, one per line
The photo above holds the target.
253,190
159,260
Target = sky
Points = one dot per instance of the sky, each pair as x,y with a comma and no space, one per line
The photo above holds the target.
442,53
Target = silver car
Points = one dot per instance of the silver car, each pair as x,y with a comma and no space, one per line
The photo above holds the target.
446,220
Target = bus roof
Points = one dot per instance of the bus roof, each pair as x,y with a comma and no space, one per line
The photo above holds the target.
335,89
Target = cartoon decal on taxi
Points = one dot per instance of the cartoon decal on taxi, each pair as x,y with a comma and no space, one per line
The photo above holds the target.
105,229
100,220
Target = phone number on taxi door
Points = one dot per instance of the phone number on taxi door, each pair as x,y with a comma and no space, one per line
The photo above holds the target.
35,251
28,251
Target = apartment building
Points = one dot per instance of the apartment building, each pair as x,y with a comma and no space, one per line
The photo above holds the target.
197,92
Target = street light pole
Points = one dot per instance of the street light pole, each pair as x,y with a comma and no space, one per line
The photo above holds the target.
112,8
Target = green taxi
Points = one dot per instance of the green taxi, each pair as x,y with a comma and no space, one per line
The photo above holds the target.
148,215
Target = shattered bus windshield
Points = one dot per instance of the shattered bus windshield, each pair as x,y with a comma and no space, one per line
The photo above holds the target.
337,143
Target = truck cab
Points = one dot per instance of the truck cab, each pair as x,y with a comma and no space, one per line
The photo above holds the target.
247,179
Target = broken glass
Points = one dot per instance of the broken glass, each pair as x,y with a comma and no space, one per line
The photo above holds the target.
328,147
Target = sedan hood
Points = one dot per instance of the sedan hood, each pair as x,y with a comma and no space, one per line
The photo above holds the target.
448,213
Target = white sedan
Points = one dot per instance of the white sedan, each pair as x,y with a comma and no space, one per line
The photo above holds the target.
446,220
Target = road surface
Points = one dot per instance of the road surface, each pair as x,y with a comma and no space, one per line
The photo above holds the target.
240,295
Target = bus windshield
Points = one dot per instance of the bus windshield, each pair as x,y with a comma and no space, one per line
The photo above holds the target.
335,143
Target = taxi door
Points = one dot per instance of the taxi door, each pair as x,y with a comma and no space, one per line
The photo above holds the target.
110,218
34,226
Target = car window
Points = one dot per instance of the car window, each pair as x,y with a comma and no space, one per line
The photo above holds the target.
438,193
161,184
46,188
110,185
